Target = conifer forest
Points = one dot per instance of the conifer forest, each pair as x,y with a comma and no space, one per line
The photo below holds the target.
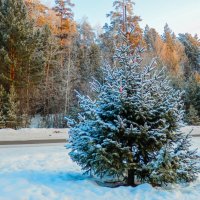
46,57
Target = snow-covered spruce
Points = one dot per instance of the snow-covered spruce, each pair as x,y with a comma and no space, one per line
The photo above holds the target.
131,129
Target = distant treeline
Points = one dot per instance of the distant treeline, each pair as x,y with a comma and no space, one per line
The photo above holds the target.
45,56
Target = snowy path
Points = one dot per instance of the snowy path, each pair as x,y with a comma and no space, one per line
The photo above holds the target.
35,172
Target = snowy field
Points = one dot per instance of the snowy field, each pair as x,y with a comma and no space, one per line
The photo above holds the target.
33,172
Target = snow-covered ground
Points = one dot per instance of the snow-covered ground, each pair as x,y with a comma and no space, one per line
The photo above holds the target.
33,172
32,134
47,134
194,130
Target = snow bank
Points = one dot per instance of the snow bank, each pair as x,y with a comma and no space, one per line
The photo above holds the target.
45,134
32,134
47,173
195,130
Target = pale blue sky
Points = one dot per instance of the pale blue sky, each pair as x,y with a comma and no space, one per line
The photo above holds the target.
181,15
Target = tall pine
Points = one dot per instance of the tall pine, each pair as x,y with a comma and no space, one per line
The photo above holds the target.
13,109
22,56
192,51
3,107
17,39
121,18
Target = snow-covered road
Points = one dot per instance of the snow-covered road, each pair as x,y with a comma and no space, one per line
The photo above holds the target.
35,172
42,135
32,136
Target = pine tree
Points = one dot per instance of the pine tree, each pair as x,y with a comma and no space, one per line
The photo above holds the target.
17,42
153,41
65,14
120,19
192,94
65,33
12,118
192,50
21,52
95,61
87,58
173,54
2,121
131,130
192,117
3,109
86,33
123,17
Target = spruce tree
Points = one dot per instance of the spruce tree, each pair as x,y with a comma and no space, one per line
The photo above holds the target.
131,130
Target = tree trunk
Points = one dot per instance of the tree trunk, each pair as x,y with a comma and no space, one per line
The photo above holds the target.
12,72
67,95
131,179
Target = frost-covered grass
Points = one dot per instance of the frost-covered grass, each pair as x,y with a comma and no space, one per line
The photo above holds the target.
47,173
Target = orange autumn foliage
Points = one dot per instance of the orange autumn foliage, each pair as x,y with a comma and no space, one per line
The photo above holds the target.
42,15
197,77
